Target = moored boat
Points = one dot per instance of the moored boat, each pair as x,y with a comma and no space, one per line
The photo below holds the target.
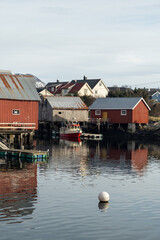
71,130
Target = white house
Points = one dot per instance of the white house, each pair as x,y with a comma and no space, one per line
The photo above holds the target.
97,85
81,89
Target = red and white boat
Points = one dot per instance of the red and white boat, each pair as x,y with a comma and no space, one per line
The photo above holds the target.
71,130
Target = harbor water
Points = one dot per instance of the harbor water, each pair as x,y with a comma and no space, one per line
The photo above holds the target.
58,199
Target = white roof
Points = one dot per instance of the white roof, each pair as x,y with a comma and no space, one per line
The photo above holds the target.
66,103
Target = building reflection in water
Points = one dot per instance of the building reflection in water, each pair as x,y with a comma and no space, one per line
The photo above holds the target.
18,190
92,157
127,155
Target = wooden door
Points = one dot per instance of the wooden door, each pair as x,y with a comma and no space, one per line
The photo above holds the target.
105,116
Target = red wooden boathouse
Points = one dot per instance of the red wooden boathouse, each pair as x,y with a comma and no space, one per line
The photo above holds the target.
18,102
120,110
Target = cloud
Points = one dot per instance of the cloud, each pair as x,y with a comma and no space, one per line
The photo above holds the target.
115,40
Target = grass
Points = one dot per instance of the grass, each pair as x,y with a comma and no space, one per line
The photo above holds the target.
154,119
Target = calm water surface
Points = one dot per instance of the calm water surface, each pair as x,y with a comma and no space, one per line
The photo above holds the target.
59,199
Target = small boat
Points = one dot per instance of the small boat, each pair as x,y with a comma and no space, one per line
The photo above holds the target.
70,130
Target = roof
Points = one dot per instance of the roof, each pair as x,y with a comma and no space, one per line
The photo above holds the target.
19,87
76,87
152,93
53,84
59,89
155,93
117,103
67,103
5,72
91,82
68,85
63,86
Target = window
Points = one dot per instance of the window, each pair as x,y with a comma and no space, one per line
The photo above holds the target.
97,112
100,84
15,112
96,91
59,112
123,112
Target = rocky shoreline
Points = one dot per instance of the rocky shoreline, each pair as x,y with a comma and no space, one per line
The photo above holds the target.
151,132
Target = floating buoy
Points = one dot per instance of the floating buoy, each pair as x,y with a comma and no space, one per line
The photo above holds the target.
103,197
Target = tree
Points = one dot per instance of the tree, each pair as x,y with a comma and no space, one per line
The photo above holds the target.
88,100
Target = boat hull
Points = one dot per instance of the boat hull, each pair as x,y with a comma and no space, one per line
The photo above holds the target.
70,135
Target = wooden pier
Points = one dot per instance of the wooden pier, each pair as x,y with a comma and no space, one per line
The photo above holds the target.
92,136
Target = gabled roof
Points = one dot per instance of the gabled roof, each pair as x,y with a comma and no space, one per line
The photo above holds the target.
63,86
68,85
53,84
67,103
117,103
59,89
76,87
91,82
155,93
19,87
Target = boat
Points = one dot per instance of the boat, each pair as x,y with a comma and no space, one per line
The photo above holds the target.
70,130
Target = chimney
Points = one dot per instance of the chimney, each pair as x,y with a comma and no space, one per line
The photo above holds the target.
57,81
84,78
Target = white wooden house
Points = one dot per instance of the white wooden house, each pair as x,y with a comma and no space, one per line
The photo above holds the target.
97,85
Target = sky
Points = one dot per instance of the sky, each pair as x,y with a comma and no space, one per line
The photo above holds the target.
115,40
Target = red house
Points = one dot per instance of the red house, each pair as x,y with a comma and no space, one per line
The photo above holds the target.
120,110
18,101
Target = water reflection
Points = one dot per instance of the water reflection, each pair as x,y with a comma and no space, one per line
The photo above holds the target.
94,158
18,190
68,185
127,155
103,206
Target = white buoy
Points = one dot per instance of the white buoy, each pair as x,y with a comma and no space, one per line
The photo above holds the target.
103,197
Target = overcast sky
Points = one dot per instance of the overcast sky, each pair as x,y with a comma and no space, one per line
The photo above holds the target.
115,40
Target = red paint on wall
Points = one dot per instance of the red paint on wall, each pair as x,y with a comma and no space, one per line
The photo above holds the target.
114,116
28,111
138,115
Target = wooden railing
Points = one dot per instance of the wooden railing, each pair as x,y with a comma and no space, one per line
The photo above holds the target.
18,126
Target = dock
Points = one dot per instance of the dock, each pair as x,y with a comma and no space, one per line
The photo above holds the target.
26,155
92,136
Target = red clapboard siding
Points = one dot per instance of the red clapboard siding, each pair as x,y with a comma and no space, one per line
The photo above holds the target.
140,113
28,111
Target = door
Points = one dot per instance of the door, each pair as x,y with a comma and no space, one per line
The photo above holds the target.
104,116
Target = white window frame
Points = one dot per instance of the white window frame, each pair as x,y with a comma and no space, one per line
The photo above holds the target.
97,112
14,111
123,112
